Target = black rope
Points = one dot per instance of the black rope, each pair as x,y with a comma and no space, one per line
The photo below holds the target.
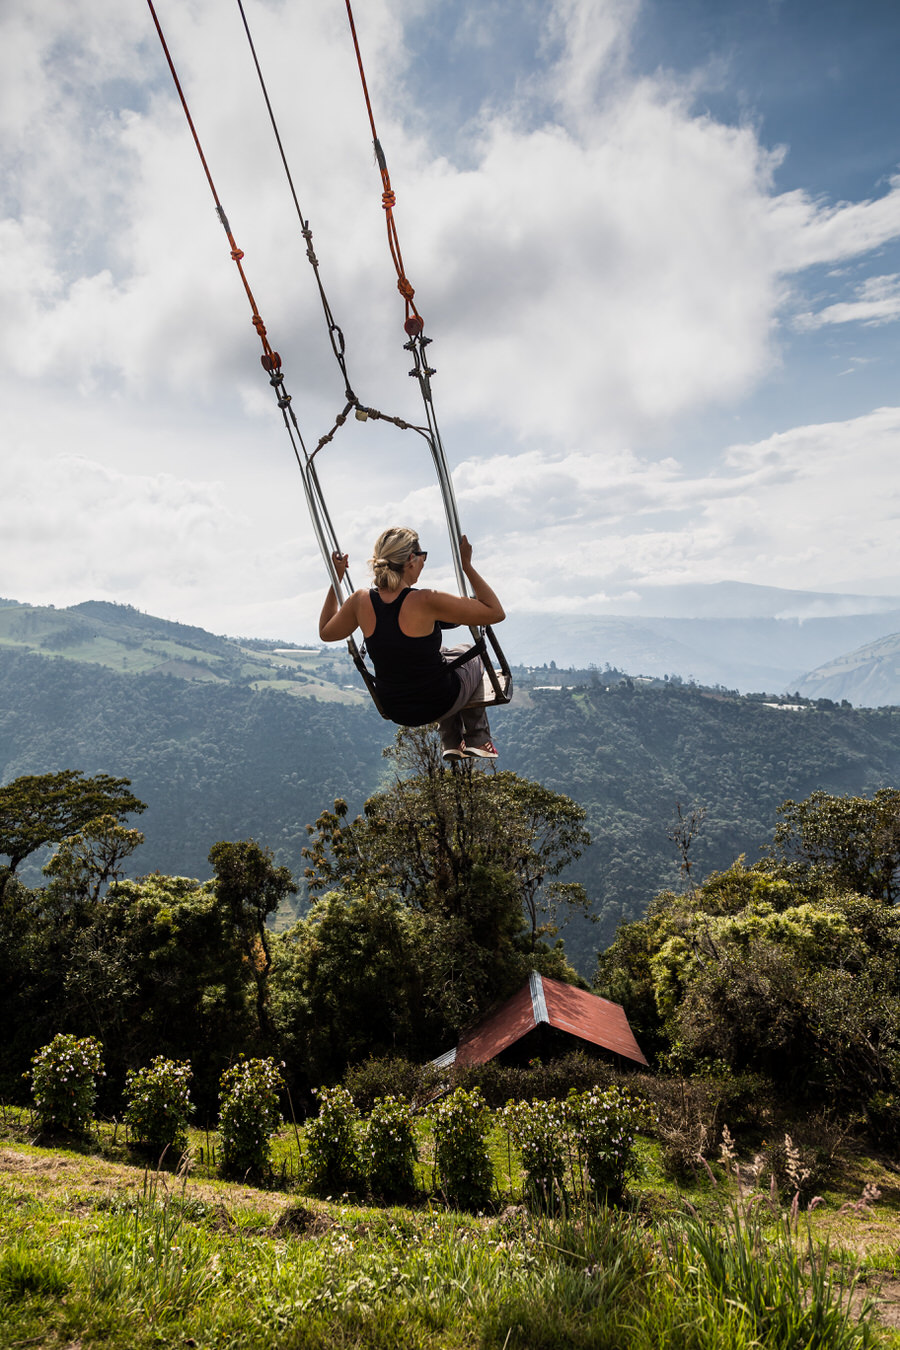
335,335
422,372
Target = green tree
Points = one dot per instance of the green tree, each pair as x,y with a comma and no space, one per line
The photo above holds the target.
87,861
751,973
156,968
346,983
39,809
475,858
251,887
848,843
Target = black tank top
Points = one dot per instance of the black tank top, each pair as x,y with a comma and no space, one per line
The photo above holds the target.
413,681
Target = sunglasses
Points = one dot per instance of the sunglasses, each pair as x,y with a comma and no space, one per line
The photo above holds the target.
418,553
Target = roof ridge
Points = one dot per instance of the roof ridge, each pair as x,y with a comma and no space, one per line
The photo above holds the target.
538,1001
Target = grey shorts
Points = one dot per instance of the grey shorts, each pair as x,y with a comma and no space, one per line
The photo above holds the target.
470,676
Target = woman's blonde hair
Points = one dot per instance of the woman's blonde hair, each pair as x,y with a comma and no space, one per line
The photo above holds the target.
393,549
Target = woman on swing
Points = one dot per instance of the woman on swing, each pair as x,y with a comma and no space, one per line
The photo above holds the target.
415,679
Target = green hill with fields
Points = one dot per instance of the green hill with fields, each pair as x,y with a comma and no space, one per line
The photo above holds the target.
227,739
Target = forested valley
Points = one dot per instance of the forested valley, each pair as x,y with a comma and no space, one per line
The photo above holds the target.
608,784
238,759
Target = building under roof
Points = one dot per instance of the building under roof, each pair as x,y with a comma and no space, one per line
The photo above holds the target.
539,1020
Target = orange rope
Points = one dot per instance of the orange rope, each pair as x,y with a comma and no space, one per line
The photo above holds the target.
270,359
414,323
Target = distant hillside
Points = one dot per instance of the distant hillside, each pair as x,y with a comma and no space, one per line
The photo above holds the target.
748,638
868,677
629,752
124,640
751,654
219,758
212,760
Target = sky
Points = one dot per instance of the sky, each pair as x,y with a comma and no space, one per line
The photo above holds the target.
656,244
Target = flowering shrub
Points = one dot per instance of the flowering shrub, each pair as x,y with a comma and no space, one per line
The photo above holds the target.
248,1114
63,1082
158,1104
332,1154
604,1121
460,1123
390,1148
539,1130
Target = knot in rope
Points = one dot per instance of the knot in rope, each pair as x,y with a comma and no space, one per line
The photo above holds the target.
388,199
404,286
259,325
237,254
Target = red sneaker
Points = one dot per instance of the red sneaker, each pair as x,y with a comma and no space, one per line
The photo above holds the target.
455,752
486,751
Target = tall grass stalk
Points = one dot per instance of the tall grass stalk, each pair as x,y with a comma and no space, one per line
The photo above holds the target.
150,1259
777,1284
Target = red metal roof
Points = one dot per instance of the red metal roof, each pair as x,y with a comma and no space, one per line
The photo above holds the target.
581,1014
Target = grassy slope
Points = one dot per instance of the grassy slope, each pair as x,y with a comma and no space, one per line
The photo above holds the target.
96,1251
123,640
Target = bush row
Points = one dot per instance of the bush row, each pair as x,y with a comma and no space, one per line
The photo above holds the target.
583,1144
572,1138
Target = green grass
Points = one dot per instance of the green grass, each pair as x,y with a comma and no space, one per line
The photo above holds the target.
97,1252
130,649
164,1266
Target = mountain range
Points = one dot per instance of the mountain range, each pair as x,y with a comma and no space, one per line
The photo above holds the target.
237,738
751,639
739,636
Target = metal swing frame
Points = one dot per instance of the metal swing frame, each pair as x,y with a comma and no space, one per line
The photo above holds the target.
497,682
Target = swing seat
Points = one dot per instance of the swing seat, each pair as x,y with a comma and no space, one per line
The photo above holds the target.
487,696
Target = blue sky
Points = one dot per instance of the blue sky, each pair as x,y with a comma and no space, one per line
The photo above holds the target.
657,246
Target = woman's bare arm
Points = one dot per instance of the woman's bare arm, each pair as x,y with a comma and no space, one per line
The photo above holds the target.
485,608
336,623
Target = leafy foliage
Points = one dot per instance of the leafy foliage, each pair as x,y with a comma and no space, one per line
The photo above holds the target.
347,983
248,1115
389,1076
38,809
87,861
157,968
536,1081
771,969
842,843
251,888
468,855
460,1123
538,1130
390,1148
604,1122
158,1104
64,1082
332,1149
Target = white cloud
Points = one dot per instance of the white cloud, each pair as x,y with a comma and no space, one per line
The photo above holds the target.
605,266
594,38
610,270
878,302
795,510
806,231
